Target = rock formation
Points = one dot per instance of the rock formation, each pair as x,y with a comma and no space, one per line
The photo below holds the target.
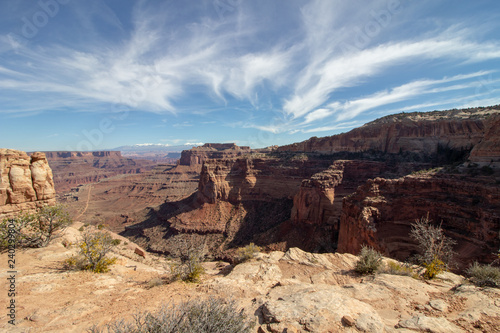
380,214
25,182
318,203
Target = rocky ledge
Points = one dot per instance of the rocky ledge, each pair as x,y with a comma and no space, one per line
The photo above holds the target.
293,291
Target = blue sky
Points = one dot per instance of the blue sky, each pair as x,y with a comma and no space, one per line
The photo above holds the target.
96,74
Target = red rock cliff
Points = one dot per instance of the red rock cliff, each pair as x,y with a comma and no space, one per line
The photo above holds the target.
413,132
488,150
197,155
380,213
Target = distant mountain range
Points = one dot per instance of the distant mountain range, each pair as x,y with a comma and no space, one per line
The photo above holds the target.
153,147
154,152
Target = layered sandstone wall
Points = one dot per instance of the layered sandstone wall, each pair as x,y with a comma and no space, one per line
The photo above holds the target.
53,155
488,150
380,214
319,199
244,179
26,183
196,156
418,133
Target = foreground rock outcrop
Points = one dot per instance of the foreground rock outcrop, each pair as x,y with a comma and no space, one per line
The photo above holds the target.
293,291
26,183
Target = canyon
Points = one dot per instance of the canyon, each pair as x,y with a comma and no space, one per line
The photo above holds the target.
320,195
72,168
366,186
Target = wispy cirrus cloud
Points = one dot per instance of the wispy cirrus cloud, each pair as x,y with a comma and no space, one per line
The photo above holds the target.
319,67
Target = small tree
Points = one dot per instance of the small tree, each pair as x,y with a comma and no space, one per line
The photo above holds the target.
36,229
94,247
191,255
436,250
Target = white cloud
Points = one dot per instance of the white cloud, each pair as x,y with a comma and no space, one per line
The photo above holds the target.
266,66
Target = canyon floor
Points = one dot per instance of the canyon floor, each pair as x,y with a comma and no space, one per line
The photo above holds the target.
294,291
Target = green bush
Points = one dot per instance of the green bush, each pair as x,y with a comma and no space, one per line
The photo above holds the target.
246,253
93,248
484,275
433,268
206,316
369,261
35,229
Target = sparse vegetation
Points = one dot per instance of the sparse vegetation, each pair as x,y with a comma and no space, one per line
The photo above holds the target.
484,275
369,261
94,247
156,282
433,268
206,316
36,229
436,250
246,253
427,171
395,268
189,269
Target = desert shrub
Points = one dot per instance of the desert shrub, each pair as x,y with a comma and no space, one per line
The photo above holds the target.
155,282
189,268
93,248
207,316
433,268
35,229
395,268
246,253
116,242
369,260
436,250
484,275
